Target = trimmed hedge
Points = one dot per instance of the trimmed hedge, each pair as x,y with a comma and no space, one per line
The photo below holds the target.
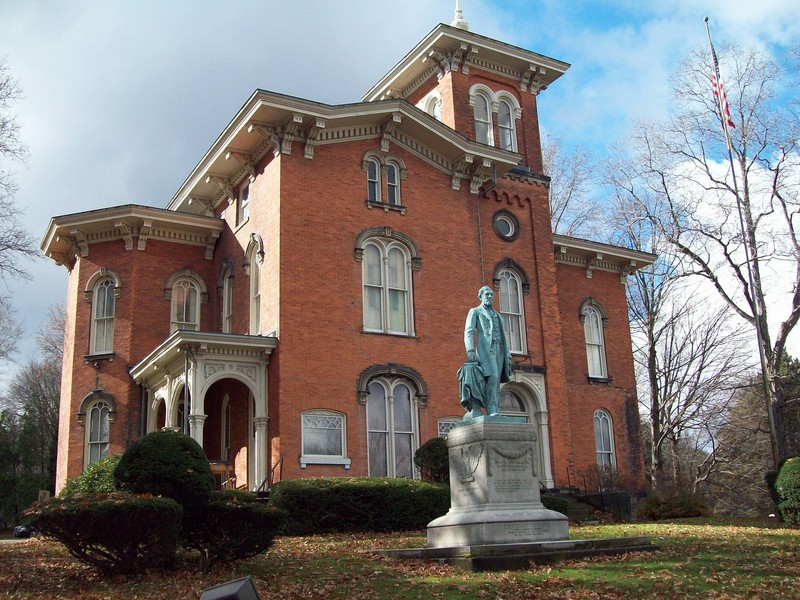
787,485
231,526
166,463
117,533
555,503
347,504
97,478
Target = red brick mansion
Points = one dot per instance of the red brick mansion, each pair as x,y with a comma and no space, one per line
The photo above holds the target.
298,307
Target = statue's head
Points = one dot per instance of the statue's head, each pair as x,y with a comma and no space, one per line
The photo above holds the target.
486,295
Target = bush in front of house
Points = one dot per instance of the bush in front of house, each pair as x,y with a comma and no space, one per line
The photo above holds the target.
232,525
166,463
665,504
787,486
555,503
433,460
348,504
117,532
97,478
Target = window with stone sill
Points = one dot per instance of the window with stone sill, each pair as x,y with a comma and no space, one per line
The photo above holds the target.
384,176
323,438
97,432
604,438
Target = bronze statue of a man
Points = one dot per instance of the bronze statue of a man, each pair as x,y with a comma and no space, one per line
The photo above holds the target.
485,342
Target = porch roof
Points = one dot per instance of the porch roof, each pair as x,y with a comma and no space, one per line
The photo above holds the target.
174,349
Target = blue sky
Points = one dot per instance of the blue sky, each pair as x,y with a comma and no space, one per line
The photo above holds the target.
123,98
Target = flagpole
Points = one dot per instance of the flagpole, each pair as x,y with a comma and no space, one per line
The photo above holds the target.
720,95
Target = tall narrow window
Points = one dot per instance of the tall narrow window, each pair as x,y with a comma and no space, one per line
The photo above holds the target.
97,434
511,310
243,208
391,428
255,295
373,180
604,439
103,308
392,184
387,287
483,120
505,124
595,346
227,300
185,305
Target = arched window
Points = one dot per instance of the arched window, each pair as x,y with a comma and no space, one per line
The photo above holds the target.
604,438
483,120
391,427
505,124
255,295
511,405
511,308
373,180
185,305
227,298
97,433
436,108
323,438
243,204
387,287
392,184
103,310
253,260
595,346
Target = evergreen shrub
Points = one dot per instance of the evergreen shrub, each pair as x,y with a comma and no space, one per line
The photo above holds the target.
117,533
555,503
433,460
233,525
787,485
660,504
166,463
348,504
97,478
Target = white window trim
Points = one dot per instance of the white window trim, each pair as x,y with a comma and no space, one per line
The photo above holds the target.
324,459
107,287
389,385
523,349
591,316
604,417
88,433
384,247
186,283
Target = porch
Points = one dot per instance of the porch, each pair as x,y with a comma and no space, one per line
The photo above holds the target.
213,386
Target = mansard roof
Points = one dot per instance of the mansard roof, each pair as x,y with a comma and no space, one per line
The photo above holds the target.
272,122
448,48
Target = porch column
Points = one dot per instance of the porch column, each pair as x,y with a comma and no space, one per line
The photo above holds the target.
260,453
542,427
196,423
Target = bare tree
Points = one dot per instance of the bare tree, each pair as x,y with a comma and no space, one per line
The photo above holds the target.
50,334
683,162
688,358
571,179
15,242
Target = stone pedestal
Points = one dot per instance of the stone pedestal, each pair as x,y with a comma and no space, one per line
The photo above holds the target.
494,488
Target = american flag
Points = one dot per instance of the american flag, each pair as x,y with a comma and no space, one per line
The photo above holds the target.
719,91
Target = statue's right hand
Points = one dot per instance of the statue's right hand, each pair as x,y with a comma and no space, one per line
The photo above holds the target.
471,355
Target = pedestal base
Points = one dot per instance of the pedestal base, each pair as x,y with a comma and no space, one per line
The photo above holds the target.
494,489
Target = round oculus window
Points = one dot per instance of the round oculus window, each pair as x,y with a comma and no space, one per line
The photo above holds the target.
506,225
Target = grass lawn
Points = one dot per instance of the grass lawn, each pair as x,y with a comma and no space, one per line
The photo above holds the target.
702,558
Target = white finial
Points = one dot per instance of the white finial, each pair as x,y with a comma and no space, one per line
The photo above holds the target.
459,21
